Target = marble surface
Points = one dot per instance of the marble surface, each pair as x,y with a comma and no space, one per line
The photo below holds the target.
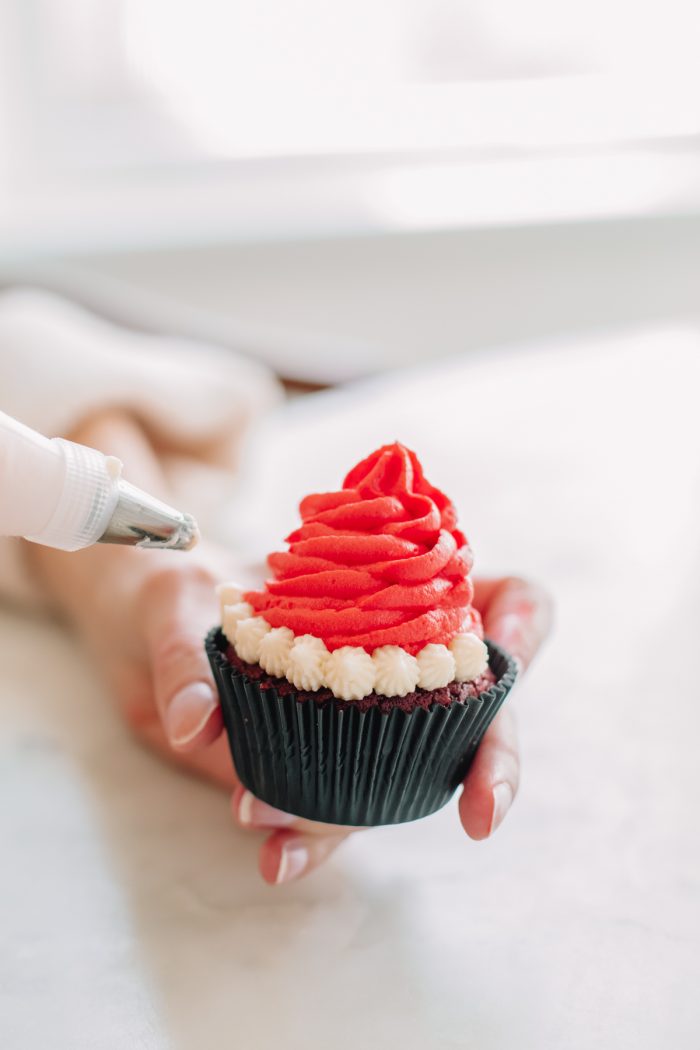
131,914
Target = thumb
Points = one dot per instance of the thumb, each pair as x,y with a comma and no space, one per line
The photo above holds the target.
178,608
517,614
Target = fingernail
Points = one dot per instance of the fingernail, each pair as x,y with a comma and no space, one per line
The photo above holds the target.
502,799
252,812
294,860
188,712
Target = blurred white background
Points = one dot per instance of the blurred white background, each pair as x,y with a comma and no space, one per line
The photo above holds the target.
211,161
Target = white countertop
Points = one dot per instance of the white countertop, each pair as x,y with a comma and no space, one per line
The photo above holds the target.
131,913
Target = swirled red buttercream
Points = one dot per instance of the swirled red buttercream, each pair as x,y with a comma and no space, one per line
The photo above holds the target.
381,562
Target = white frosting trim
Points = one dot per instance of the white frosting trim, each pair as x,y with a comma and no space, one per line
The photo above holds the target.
471,656
307,662
228,594
396,671
231,615
436,666
248,638
350,672
275,648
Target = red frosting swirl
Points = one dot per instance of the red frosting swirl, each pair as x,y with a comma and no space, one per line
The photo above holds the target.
381,562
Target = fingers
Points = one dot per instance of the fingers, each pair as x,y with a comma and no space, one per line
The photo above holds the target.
517,614
295,847
287,855
492,781
178,606
252,812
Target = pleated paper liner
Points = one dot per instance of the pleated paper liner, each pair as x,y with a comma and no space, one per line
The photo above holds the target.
334,763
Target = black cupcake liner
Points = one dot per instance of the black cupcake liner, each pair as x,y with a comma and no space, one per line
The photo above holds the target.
333,763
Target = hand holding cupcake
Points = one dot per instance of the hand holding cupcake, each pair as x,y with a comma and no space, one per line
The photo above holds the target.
356,685
144,622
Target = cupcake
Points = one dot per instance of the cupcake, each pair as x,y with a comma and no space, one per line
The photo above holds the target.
356,684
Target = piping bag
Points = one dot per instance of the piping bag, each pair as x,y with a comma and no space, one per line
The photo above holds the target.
68,496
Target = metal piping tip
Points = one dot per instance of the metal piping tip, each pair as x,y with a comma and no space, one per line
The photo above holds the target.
140,520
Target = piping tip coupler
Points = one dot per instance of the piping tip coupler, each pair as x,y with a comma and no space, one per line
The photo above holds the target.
96,505
68,496
141,520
